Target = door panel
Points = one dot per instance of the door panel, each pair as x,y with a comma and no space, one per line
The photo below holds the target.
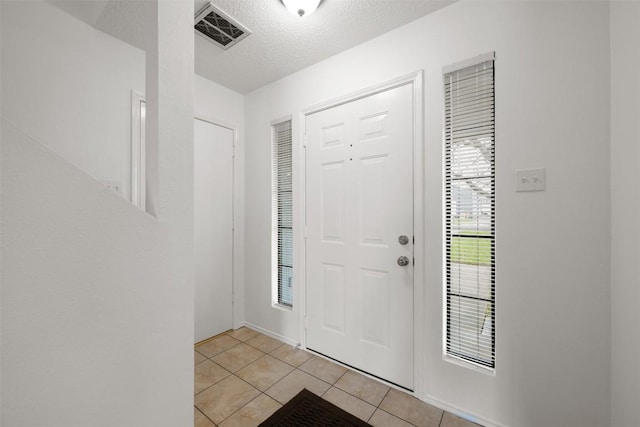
359,200
213,228
332,202
375,306
372,213
334,298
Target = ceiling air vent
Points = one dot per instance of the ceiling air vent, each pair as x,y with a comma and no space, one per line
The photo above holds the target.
218,27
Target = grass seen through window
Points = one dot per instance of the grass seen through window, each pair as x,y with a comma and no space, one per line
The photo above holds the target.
470,250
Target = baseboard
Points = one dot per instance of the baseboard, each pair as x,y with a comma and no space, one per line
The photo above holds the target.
285,340
460,412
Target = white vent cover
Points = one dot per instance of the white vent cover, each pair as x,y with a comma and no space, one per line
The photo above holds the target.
218,27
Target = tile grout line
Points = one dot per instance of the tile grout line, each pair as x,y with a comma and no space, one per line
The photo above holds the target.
226,349
298,368
356,397
295,368
378,407
330,385
205,415
394,415
261,392
273,385
343,374
284,361
265,391
240,408
314,376
323,394
242,367
217,382
276,357
382,400
232,374
351,394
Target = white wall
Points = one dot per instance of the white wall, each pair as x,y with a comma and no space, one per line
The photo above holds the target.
553,270
0,219
219,104
92,75
97,299
67,62
71,85
625,205
90,299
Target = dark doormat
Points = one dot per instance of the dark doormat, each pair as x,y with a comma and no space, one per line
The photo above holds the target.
307,409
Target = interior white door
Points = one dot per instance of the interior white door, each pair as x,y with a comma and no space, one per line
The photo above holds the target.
213,228
359,201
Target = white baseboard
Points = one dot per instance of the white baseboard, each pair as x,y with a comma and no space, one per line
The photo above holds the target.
459,412
285,340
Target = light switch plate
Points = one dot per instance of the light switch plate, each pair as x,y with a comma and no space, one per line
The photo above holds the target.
531,179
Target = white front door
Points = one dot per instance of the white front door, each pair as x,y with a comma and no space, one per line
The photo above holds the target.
213,228
359,202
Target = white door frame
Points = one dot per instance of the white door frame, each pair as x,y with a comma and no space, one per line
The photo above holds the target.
138,173
138,187
414,79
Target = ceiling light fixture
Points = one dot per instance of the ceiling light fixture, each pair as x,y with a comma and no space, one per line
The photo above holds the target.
301,7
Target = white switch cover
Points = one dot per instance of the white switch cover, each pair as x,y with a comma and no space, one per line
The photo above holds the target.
531,179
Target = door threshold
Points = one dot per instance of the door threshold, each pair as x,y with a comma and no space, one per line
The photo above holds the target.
310,350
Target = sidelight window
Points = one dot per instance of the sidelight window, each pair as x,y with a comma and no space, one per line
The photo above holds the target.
470,213
282,214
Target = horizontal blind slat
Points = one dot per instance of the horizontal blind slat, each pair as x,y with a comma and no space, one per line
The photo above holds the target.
469,74
469,133
282,210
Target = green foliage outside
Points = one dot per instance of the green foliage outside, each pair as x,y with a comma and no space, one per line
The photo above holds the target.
469,250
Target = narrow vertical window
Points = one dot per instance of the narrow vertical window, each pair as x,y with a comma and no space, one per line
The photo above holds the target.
470,213
282,216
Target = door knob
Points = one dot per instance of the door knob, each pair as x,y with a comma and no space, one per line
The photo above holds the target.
403,261
403,240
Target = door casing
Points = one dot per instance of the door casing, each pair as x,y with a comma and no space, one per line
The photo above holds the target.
299,168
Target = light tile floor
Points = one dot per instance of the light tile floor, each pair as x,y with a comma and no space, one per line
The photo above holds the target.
242,377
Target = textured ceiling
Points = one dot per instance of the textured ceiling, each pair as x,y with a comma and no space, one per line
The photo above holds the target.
281,43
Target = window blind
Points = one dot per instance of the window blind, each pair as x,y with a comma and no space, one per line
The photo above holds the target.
470,213
282,213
